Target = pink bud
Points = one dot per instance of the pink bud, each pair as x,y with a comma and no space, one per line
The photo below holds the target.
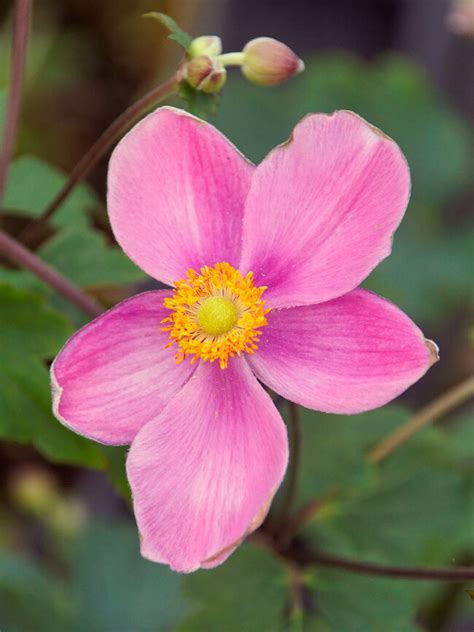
268,62
206,74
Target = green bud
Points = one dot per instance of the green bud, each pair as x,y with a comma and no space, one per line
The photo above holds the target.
268,62
205,45
206,74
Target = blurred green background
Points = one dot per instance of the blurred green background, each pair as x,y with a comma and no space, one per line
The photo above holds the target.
69,557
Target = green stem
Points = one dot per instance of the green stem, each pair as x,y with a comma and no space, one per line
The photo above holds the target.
231,59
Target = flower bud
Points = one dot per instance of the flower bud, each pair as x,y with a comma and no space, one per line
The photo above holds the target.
205,74
205,45
268,62
461,18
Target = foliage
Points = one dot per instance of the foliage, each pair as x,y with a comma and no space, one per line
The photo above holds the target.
415,508
109,587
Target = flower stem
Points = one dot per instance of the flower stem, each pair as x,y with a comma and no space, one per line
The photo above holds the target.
231,59
456,574
100,147
430,413
298,554
293,469
19,48
20,255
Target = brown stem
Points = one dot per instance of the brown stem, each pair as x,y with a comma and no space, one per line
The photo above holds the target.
20,255
435,409
293,468
19,48
99,148
455,574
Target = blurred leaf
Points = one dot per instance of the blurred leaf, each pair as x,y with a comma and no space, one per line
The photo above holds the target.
347,437
251,592
85,258
30,599
410,510
110,588
30,333
353,603
248,592
198,102
116,589
176,33
33,183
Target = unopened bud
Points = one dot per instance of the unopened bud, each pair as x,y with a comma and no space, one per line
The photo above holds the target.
205,45
206,74
268,62
461,17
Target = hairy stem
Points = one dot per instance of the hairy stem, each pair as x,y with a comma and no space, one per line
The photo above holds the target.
19,48
100,148
20,255
430,413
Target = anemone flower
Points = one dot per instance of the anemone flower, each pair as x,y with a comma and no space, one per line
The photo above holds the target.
263,264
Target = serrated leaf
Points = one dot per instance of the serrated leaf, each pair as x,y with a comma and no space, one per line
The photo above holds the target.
176,33
30,333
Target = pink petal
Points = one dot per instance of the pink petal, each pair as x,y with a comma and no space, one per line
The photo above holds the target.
176,193
115,374
322,209
204,473
348,355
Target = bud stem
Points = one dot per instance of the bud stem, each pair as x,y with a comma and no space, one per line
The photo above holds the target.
231,59
100,147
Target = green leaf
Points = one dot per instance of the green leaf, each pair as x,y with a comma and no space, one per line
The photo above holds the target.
116,589
353,603
176,33
410,509
30,599
85,258
33,183
197,102
31,333
249,592
110,587
252,592
349,438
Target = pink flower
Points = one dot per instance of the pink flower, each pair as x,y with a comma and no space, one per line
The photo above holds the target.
265,261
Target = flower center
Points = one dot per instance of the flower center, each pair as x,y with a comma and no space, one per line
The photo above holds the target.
215,314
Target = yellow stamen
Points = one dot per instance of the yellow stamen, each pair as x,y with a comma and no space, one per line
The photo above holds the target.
215,314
